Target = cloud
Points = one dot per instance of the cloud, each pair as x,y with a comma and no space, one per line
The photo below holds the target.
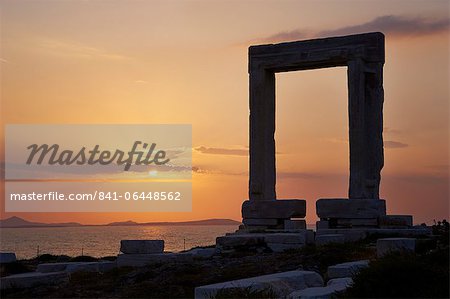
77,50
395,25
399,26
222,151
394,144
387,143
141,82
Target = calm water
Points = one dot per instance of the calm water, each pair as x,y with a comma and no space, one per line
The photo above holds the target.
104,240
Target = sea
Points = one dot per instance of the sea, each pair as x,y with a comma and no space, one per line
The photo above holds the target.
101,241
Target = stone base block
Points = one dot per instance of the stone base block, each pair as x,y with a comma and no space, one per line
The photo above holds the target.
236,240
367,222
339,208
346,269
395,221
260,222
355,234
332,238
277,247
278,240
31,279
390,245
294,224
322,224
274,209
281,284
141,246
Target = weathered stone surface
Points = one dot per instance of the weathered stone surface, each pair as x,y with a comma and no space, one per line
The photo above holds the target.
260,222
346,269
390,245
202,252
240,240
310,236
364,56
327,239
281,284
355,234
350,234
294,224
318,292
280,247
102,266
333,286
142,246
370,222
270,209
396,221
140,260
346,281
7,257
31,279
350,208
286,238
322,224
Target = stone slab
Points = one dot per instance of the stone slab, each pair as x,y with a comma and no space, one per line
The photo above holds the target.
370,222
350,208
270,209
262,239
355,234
327,239
279,247
141,260
281,284
390,245
346,269
322,224
7,257
286,238
294,224
240,240
327,292
142,246
260,222
346,281
202,252
31,279
395,221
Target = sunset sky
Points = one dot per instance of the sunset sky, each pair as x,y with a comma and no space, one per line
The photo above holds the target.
185,62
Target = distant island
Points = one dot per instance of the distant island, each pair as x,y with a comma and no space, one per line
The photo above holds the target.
17,222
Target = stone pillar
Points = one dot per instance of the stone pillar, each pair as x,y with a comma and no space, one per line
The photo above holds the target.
262,130
365,110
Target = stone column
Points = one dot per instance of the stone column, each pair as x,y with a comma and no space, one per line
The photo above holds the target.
262,130
365,110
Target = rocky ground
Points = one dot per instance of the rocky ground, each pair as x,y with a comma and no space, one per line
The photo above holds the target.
423,274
